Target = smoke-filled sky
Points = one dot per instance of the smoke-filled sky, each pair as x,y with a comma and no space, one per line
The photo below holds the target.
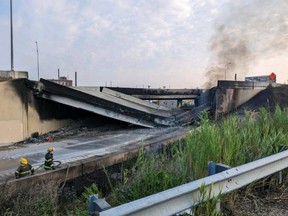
156,43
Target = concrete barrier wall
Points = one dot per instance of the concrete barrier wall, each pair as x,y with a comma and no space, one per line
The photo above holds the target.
13,74
19,113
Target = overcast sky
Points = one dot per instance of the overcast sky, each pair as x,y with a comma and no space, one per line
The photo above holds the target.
136,43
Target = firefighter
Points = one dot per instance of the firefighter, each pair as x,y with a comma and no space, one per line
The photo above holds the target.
48,165
24,169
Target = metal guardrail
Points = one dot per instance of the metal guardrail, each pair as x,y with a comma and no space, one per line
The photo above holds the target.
178,199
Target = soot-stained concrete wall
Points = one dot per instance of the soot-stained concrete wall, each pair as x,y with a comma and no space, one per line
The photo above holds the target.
230,95
22,113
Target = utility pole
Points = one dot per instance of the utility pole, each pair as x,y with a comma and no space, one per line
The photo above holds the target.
37,59
75,78
11,35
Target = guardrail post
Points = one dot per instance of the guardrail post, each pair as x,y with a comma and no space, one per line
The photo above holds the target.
97,205
214,168
280,177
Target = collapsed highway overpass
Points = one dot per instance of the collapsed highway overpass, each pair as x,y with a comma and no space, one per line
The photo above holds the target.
31,107
106,102
82,156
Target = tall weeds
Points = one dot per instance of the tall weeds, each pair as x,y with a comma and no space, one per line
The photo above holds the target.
39,200
237,140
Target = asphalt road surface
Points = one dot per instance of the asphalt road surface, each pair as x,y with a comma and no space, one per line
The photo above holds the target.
100,143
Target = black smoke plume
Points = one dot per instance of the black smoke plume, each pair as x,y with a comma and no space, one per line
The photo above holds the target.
247,33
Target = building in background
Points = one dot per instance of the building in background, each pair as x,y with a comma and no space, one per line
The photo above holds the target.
268,78
62,81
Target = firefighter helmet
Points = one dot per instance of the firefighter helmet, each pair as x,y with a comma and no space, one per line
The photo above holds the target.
24,161
50,149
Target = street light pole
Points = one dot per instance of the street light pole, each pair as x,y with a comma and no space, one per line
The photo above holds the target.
11,35
37,59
